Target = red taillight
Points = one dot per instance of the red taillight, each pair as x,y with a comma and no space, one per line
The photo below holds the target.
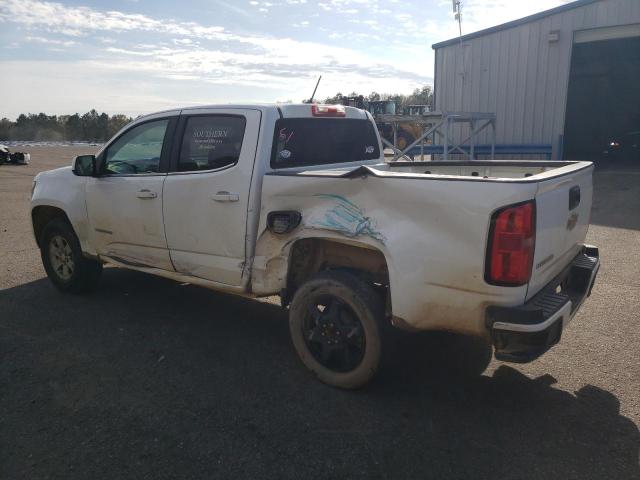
511,245
328,111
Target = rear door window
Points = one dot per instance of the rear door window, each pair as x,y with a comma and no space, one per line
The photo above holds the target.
211,142
322,141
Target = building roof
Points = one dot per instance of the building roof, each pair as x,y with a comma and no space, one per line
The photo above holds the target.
515,23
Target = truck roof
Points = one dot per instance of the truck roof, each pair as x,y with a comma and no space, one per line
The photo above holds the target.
286,110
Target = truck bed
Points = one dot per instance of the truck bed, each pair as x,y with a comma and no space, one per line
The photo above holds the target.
489,170
433,227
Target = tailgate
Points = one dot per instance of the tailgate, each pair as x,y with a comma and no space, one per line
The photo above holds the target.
563,211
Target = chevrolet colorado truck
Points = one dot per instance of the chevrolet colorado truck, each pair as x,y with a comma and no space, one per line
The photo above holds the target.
297,201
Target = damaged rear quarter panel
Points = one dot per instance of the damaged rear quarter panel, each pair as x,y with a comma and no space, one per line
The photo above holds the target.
432,234
343,216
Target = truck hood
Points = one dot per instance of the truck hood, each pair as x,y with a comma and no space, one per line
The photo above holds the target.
56,173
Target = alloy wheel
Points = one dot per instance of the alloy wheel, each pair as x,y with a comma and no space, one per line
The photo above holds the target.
61,257
333,334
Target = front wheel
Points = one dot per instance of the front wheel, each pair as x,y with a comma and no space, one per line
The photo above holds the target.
62,257
336,322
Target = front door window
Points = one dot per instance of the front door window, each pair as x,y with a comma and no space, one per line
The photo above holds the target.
138,151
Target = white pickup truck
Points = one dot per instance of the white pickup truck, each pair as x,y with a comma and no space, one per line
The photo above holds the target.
297,201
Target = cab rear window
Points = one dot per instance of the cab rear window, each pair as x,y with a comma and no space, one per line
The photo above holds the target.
321,141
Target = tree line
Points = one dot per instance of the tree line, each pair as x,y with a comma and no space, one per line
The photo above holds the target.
90,127
100,127
420,96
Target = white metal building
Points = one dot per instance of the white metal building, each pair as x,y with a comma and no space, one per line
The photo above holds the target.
566,79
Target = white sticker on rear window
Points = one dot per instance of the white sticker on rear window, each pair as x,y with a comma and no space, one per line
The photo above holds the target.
285,154
369,149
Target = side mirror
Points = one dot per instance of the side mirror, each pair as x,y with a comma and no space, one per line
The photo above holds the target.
85,165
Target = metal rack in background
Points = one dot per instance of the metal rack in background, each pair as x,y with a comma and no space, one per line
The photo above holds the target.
438,126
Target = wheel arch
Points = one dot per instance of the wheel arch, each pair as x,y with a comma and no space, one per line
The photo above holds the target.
310,255
41,215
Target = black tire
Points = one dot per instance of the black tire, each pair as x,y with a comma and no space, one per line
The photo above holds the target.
337,326
74,272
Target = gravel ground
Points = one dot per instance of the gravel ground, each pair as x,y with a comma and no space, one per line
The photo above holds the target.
148,378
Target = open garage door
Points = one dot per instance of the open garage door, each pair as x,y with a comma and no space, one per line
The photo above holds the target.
602,122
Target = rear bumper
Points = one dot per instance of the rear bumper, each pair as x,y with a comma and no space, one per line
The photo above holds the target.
521,334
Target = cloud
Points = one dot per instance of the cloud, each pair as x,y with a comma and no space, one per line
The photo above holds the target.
224,57
360,45
480,14
50,41
68,87
59,18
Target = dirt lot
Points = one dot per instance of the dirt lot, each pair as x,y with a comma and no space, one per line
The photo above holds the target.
152,379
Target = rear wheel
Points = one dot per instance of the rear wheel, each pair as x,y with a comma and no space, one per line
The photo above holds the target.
63,260
336,322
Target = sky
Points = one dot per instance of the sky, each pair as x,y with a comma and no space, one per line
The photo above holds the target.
140,56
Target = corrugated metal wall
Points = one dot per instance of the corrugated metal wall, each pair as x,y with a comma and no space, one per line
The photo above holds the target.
518,74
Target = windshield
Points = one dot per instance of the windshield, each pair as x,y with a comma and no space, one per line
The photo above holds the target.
321,141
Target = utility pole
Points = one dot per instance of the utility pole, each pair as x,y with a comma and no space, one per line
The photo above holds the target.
457,9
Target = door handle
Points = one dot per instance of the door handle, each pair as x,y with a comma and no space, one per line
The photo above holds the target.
226,197
146,194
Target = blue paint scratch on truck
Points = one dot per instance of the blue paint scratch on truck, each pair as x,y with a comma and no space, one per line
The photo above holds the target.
347,218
